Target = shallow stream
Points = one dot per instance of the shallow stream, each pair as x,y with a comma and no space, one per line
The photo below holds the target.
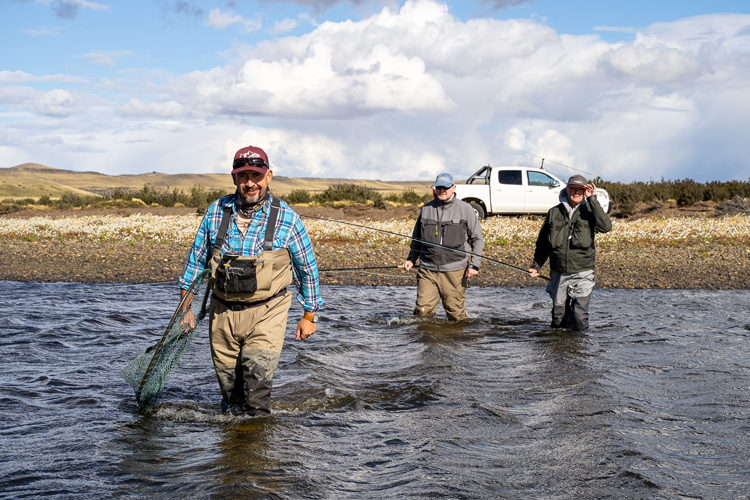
653,402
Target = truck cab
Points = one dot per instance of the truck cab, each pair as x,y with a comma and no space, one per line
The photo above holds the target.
515,190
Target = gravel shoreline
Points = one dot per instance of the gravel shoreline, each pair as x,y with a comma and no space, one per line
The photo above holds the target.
712,267
679,248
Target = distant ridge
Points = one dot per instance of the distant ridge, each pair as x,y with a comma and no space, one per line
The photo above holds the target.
38,167
32,180
32,167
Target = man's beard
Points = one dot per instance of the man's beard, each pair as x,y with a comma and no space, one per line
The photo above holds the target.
250,198
248,207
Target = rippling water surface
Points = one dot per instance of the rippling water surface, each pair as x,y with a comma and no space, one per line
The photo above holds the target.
653,402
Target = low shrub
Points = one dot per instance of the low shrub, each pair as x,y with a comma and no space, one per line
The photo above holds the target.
298,196
73,199
409,197
19,202
348,192
199,196
685,191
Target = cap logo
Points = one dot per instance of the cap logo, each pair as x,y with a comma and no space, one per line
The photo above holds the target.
250,155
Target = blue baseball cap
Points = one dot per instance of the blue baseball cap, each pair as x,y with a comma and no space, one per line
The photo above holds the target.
444,180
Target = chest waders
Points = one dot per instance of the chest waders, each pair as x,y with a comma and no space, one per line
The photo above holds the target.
242,282
243,285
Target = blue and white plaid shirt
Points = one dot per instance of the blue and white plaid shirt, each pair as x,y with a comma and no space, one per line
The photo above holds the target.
289,233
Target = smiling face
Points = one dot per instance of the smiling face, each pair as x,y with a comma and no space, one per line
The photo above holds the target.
575,195
252,185
444,194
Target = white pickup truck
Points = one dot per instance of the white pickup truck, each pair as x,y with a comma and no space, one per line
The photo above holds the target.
515,190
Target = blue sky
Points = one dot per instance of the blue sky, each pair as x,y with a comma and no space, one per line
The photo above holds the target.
389,90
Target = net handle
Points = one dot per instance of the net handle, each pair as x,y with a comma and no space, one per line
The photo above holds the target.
176,314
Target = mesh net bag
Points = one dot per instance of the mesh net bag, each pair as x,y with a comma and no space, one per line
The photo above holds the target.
148,373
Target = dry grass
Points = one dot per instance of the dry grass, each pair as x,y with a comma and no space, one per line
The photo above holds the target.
32,180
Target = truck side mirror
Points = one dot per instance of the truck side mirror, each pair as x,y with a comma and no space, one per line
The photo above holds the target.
554,184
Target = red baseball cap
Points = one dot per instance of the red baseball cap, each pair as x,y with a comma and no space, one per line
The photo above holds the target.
250,158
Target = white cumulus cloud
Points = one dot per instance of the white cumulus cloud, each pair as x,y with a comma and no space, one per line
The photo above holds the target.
57,102
221,20
139,108
409,92
284,25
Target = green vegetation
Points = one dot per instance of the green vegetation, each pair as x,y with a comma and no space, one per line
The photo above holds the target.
409,197
298,196
198,197
625,195
348,192
338,193
684,192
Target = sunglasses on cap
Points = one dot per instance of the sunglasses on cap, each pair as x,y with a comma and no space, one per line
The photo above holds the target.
254,162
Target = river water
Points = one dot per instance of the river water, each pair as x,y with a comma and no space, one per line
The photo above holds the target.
653,402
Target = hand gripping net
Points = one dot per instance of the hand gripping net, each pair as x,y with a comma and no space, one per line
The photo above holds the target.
148,373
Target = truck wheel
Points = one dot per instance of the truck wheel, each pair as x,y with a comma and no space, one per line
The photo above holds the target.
478,210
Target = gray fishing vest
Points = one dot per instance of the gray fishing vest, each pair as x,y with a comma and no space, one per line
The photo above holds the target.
250,279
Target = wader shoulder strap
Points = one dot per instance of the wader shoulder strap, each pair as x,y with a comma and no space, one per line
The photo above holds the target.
271,225
225,218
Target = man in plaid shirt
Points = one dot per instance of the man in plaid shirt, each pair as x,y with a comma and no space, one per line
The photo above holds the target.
248,318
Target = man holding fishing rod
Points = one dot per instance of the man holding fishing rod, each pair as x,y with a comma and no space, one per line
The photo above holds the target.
255,246
445,223
567,239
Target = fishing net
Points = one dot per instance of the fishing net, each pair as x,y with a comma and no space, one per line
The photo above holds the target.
148,373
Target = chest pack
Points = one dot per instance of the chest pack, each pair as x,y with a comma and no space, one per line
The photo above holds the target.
236,278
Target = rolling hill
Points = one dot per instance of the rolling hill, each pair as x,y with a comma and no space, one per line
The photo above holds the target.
32,180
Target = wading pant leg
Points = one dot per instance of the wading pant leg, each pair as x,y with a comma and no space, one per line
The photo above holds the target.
452,286
225,353
245,348
571,295
579,297
428,293
260,355
558,291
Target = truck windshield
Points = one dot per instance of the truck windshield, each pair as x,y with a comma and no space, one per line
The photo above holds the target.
509,177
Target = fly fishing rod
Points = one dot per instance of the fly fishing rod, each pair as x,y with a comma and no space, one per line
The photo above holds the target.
397,266
490,259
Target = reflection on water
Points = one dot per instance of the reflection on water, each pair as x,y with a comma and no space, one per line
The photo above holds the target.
652,402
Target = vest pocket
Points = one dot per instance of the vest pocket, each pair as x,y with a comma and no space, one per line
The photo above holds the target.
429,230
454,234
237,276
581,235
556,235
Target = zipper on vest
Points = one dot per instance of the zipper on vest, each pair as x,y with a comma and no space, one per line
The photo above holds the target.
567,242
440,223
